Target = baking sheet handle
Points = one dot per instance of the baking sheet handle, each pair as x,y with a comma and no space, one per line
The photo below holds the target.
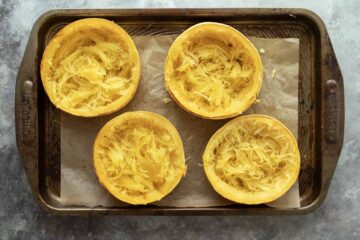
26,113
26,129
332,123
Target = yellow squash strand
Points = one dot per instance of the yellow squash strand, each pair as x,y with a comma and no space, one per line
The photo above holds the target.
91,76
212,73
138,159
249,158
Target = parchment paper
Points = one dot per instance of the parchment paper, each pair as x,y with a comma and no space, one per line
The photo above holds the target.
278,98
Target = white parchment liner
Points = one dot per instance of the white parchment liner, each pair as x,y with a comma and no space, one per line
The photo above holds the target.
279,98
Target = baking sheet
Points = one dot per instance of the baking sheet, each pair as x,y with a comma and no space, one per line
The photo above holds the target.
278,98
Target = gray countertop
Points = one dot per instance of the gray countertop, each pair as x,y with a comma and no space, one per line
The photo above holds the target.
337,218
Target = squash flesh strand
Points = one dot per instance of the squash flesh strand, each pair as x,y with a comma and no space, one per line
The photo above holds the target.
250,159
91,76
139,159
212,73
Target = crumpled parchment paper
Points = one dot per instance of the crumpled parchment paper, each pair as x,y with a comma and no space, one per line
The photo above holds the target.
278,98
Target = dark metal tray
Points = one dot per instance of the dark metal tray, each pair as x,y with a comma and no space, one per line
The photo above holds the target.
321,101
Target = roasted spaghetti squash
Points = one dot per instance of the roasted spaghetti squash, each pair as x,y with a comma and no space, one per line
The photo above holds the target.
213,71
252,159
91,67
139,157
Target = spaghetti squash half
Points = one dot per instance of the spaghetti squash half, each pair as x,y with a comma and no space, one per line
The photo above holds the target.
90,68
252,159
213,71
139,157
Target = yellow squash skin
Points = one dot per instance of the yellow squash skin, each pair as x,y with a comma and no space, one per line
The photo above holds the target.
252,159
213,71
90,68
139,157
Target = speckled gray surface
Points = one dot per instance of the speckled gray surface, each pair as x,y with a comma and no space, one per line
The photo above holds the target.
337,218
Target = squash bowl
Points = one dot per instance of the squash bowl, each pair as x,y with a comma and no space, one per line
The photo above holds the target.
90,68
213,71
139,157
252,159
